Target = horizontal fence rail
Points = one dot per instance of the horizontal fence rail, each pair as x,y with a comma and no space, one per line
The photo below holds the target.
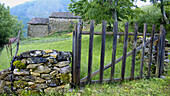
76,62
118,33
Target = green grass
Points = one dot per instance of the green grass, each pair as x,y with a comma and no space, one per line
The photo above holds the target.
64,43
153,86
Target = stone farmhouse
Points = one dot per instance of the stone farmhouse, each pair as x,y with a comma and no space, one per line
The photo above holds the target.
57,22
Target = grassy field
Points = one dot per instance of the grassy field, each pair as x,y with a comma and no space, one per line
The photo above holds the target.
63,42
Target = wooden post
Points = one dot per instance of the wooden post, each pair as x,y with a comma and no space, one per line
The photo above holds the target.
90,51
163,50
13,59
78,55
134,51
74,74
159,55
150,50
143,50
124,52
102,50
114,51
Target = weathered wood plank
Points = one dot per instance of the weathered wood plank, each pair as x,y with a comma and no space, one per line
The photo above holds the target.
163,50
117,61
102,50
74,56
78,55
134,51
150,50
114,51
90,51
124,52
159,48
111,33
143,50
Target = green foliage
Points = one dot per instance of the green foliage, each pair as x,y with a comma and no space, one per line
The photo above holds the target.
19,64
9,25
99,10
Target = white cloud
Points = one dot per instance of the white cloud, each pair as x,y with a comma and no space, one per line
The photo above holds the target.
12,3
141,3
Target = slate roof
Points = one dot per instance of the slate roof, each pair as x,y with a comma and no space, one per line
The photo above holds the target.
64,15
38,20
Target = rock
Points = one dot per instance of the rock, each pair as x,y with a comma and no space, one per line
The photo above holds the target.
28,78
32,66
64,56
21,72
20,84
36,60
39,80
54,89
54,83
36,53
25,55
2,84
48,51
41,86
66,69
62,64
24,61
31,83
46,55
35,74
65,78
52,60
8,78
4,73
45,76
53,55
56,68
42,69
166,60
7,83
53,73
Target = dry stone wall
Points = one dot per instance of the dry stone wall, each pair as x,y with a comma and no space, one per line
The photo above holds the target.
38,71
154,56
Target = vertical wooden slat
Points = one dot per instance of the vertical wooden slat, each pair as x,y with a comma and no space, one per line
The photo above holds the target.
114,51
74,74
163,50
143,50
134,51
124,52
90,51
150,50
102,50
78,55
159,48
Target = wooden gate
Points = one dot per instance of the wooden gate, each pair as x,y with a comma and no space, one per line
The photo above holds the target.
76,60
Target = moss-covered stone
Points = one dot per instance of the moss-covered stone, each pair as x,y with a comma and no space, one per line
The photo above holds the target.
19,64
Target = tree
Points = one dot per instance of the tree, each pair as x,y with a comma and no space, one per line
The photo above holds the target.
98,10
161,5
9,25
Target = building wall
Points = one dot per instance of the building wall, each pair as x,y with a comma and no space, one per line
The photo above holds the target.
59,24
37,30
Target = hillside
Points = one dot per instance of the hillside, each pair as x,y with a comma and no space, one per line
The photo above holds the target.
38,8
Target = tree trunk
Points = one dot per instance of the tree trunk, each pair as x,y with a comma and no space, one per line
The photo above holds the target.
165,19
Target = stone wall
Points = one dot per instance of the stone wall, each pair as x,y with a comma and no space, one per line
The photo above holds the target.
59,24
154,56
37,30
38,71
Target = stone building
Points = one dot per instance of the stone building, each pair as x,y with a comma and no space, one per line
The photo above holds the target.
38,27
57,22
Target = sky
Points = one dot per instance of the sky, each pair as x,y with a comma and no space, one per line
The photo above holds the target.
12,3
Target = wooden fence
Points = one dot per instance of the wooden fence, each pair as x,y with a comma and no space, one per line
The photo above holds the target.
76,60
